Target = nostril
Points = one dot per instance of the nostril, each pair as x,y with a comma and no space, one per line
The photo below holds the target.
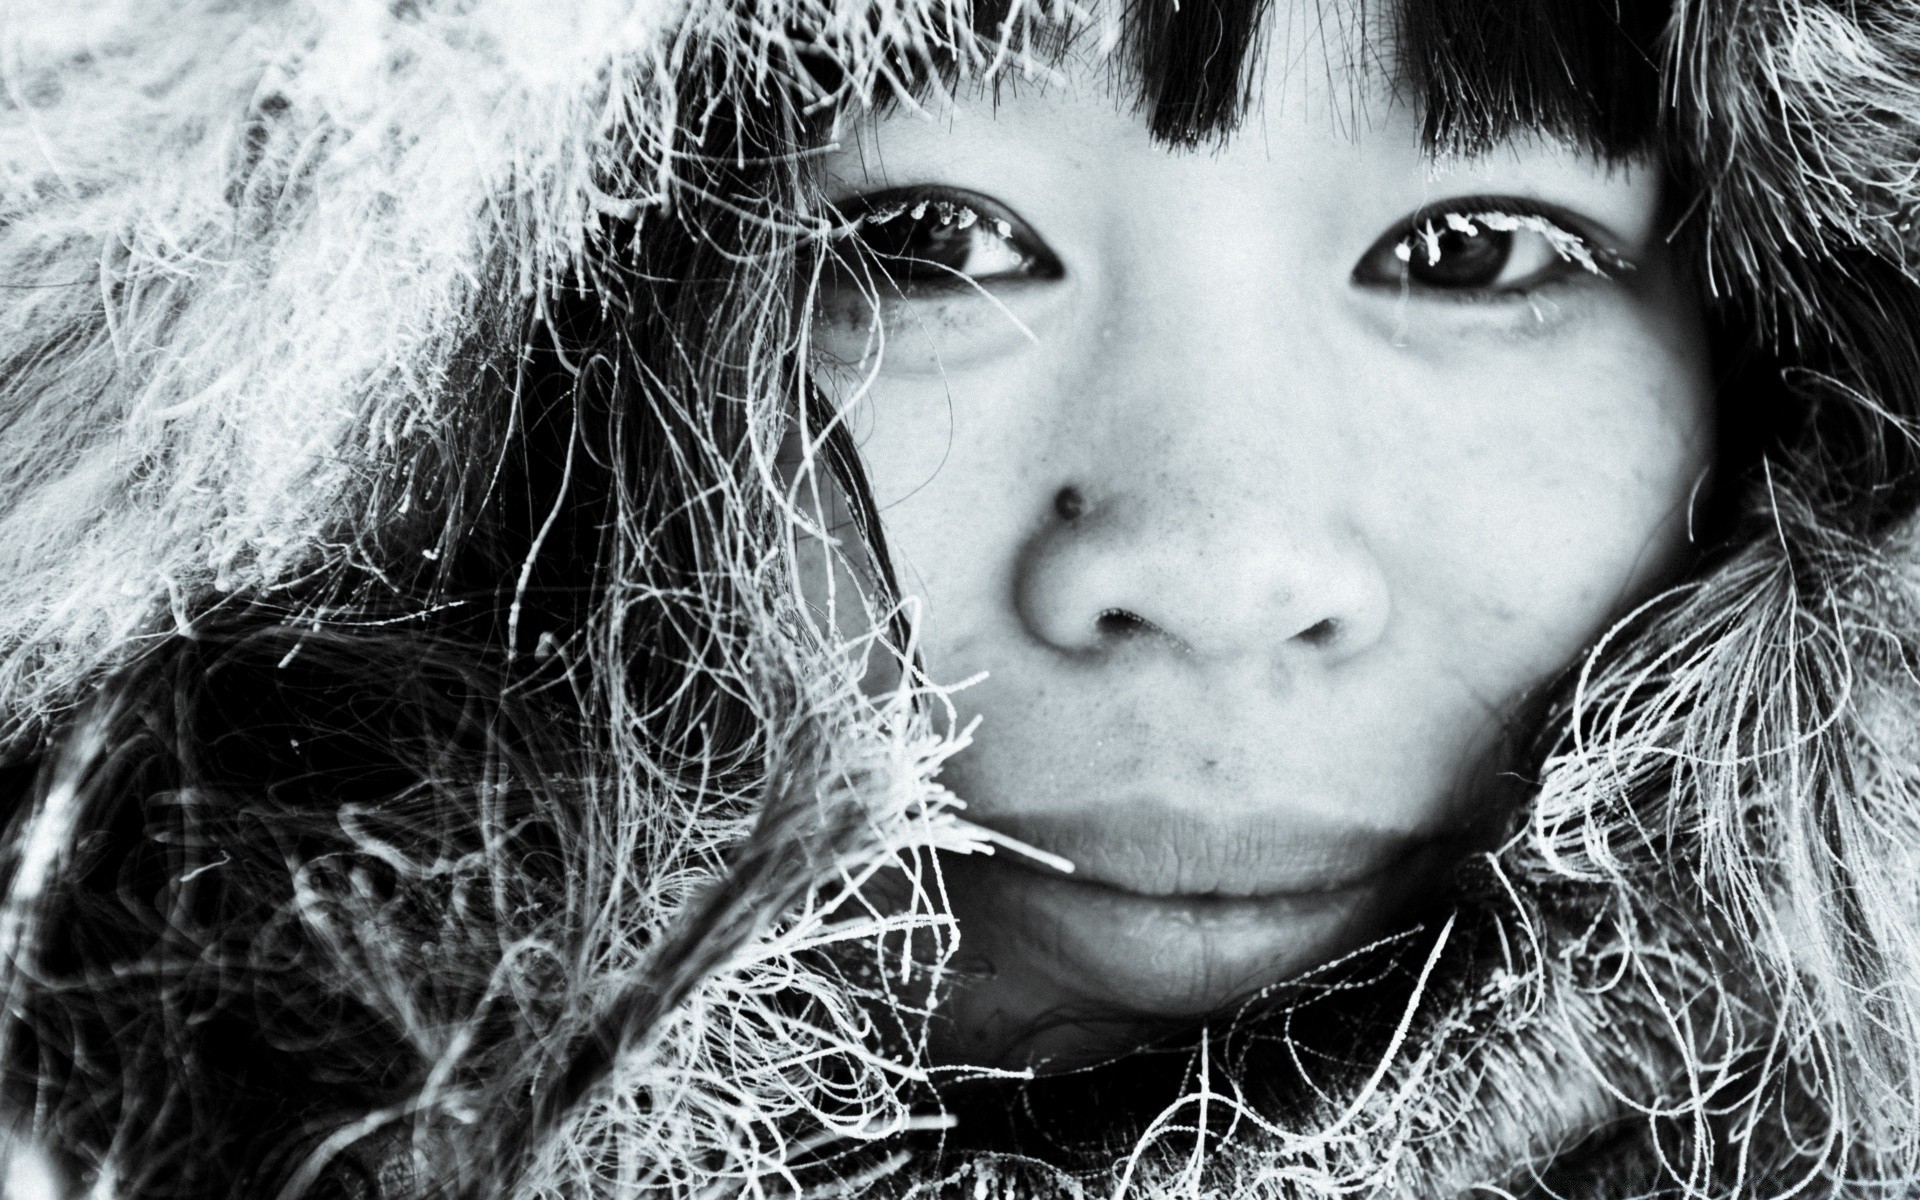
1320,633
1119,623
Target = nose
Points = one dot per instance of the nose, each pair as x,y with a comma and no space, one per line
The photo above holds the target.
1181,572
1207,494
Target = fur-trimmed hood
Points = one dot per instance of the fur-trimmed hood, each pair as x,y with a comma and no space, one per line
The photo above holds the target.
347,855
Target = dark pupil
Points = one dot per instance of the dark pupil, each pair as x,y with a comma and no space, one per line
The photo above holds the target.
1467,260
924,250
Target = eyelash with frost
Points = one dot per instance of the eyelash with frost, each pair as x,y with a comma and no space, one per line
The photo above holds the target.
949,212
1569,245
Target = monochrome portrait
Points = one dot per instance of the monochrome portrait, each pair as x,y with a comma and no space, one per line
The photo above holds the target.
975,599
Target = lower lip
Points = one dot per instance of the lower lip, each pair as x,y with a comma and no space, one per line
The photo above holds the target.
1161,956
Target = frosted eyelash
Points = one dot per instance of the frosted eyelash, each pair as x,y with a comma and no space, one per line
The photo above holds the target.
1570,246
948,212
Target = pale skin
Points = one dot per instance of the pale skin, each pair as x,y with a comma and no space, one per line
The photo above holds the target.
1259,540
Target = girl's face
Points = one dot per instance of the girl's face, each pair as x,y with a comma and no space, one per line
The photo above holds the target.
1261,484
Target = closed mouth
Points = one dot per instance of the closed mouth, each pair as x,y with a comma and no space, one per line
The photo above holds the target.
1214,905
1176,928
1144,849
1163,954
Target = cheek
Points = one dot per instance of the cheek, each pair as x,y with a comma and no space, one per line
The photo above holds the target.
958,469
1541,489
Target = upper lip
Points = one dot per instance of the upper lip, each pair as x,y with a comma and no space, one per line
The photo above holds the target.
1152,849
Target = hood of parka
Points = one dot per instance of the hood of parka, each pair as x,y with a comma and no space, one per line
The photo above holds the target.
261,263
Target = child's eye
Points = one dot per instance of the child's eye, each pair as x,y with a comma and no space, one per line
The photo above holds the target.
936,240
1481,247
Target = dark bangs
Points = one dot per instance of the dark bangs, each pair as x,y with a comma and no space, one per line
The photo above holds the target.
1479,71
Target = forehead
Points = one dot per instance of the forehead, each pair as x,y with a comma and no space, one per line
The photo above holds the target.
1474,72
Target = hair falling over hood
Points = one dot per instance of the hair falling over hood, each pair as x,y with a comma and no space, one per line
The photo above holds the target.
424,780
